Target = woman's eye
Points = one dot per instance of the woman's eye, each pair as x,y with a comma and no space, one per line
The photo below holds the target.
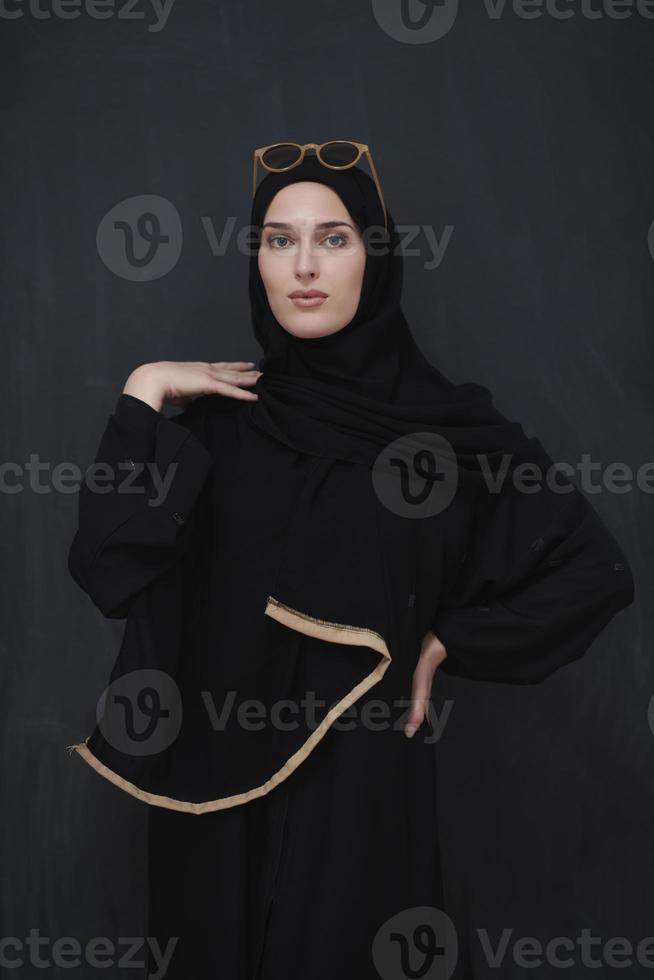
335,241
342,238
276,238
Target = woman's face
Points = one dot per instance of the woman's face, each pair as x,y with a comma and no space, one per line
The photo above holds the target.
310,243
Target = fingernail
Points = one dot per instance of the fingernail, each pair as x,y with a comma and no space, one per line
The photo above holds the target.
409,731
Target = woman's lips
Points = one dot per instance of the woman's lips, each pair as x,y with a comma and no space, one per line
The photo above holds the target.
308,300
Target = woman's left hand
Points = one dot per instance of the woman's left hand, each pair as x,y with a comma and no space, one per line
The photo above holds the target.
432,653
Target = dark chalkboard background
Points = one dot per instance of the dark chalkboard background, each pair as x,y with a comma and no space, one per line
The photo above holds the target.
526,145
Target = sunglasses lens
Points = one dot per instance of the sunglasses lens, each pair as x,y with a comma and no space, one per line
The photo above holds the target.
339,154
280,156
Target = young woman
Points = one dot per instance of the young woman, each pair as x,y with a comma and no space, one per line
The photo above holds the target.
310,542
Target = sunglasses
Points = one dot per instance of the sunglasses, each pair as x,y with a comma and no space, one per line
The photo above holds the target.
336,155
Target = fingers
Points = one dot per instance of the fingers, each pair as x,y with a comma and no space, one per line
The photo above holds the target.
416,716
229,376
238,365
241,376
233,391
420,695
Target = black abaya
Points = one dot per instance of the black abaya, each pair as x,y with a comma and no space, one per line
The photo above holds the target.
295,882
298,881
273,567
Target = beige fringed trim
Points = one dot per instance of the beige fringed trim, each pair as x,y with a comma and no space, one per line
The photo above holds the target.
302,623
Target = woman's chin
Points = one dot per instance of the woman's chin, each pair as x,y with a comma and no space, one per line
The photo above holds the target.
306,327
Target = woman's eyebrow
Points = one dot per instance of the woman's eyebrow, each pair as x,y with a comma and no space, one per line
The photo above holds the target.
320,227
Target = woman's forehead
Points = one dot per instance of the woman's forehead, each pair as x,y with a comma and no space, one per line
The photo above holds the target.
306,201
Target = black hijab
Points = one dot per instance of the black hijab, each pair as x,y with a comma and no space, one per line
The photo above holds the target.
349,394
511,526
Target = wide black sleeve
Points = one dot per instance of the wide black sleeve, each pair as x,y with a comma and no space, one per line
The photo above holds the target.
137,504
525,602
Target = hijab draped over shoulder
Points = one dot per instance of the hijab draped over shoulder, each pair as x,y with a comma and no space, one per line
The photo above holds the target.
533,574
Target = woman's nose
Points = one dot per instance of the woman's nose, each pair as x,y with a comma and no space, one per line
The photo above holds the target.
307,261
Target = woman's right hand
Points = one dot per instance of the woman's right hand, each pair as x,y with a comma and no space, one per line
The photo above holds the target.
179,382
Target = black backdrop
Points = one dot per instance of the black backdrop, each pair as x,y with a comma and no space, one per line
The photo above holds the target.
523,140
